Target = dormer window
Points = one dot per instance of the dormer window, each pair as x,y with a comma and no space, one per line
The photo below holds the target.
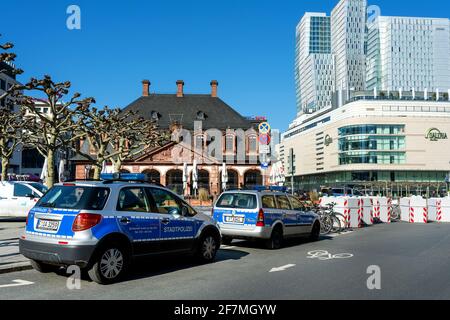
155,116
201,116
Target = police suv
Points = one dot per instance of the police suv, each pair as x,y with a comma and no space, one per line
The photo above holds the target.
271,215
101,226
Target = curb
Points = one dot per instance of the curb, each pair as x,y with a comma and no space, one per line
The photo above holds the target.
14,267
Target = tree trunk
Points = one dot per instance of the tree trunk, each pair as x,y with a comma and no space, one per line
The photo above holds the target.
117,165
50,179
5,166
97,172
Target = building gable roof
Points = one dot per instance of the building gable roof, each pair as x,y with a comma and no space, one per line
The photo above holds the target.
213,112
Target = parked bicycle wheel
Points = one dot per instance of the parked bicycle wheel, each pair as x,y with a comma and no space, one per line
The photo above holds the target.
337,225
326,225
396,213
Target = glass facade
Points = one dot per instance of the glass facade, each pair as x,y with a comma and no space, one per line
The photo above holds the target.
372,144
320,37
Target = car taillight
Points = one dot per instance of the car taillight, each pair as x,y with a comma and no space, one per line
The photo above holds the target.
26,221
260,221
85,221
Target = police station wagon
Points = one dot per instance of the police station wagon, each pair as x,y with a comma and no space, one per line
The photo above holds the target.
263,214
101,226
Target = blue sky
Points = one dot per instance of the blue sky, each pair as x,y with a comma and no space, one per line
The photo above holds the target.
248,45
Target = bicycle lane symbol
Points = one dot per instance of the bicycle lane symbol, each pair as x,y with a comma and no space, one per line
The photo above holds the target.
324,255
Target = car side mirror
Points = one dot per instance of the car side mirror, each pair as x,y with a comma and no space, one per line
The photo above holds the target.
31,196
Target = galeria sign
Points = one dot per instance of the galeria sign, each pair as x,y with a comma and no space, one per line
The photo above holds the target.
435,135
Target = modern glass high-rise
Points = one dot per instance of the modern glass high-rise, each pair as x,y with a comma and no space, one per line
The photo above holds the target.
348,26
314,70
408,53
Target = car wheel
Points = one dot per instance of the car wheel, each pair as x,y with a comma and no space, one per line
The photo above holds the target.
227,240
208,246
109,265
43,267
276,239
315,232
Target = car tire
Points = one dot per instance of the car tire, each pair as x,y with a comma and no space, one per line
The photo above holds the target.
315,232
207,248
43,267
227,240
276,239
110,264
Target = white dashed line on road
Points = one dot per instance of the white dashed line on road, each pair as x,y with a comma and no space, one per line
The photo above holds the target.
17,283
283,268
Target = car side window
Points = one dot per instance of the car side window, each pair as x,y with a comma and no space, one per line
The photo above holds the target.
296,204
133,200
283,203
165,202
268,202
21,190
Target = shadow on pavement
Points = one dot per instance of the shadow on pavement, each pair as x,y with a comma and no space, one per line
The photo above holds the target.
9,219
159,265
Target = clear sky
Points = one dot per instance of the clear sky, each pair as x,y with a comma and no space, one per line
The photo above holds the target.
248,45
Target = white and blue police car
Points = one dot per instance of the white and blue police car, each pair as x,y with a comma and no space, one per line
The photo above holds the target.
269,214
101,226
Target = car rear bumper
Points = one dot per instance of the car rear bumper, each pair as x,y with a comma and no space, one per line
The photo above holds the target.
255,233
63,255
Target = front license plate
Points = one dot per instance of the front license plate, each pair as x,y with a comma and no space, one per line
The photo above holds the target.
48,225
234,219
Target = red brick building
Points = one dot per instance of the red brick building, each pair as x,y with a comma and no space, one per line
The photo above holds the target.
181,110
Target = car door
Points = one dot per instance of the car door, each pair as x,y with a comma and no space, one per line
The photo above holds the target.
23,200
137,221
304,219
6,201
289,216
178,229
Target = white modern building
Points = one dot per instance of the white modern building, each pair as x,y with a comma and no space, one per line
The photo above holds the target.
314,65
348,27
388,120
398,143
408,53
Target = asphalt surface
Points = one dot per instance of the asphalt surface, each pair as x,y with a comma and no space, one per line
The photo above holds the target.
414,261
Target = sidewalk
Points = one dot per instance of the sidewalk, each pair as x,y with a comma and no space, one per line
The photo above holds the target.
10,258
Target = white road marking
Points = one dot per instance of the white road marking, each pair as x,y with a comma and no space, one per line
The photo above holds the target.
283,268
17,283
227,247
334,235
325,255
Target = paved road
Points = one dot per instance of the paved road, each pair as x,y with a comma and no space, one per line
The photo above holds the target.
414,262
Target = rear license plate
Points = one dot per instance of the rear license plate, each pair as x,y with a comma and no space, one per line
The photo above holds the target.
48,225
233,219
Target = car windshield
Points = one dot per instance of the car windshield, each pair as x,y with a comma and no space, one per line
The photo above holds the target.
75,197
237,201
39,187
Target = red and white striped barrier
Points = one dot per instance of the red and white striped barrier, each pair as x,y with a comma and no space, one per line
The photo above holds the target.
405,209
439,210
383,207
366,210
348,207
418,210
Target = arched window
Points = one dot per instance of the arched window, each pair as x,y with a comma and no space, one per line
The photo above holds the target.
252,178
174,179
233,180
203,180
153,176
252,144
